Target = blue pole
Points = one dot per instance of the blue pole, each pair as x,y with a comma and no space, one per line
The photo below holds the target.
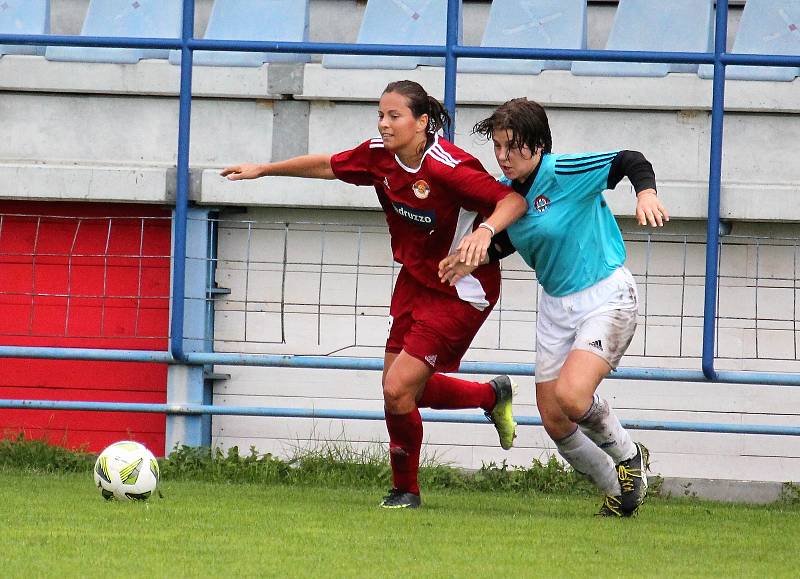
450,64
714,187
400,50
182,196
38,352
449,417
350,363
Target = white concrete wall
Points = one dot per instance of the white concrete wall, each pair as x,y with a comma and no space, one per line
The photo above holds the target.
674,454
107,132
327,265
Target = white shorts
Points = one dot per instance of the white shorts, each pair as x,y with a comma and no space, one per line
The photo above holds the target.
600,319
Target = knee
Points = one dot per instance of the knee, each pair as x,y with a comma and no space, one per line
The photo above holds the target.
570,401
397,398
555,422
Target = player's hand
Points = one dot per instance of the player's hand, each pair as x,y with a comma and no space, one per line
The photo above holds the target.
472,249
649,209
245,171
451,269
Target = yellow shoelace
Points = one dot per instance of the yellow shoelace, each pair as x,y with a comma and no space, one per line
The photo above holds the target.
626,476
613,504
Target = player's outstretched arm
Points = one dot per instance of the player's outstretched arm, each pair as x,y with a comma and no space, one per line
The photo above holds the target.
634,166
313,166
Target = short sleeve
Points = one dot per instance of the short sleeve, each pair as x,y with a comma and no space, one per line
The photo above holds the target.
478,189
355,165
585,174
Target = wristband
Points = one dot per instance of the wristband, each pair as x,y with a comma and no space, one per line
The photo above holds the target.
488,227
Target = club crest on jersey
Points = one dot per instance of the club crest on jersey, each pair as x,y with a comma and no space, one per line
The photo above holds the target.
421,189
420,217
541,203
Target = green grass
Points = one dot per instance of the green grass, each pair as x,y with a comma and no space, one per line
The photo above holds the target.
56,525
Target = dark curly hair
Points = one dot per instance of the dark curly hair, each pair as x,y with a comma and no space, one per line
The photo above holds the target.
527,120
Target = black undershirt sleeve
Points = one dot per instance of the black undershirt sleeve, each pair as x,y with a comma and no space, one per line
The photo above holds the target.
634,166
500,247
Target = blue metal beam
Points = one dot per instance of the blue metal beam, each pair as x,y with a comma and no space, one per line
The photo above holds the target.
350,363
182,197
714,187
456,50
451,417
450,66
38,352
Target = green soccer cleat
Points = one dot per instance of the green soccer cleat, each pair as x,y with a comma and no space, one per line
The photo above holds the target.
397,499
502,415
611,507
632,474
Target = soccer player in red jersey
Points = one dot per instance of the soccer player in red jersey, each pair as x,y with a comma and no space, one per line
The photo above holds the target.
438,199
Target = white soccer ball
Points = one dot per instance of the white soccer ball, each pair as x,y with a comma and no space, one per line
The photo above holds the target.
126,471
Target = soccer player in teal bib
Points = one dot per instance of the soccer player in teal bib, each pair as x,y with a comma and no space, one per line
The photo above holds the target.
587,311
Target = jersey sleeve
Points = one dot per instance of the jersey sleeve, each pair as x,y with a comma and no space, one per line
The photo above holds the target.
585,174
634,166
479,191
354,166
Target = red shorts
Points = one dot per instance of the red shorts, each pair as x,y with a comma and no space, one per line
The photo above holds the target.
432,326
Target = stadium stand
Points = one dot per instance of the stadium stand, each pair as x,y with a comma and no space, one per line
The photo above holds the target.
24,17
117,18
531,24
676,26
278,20
766,27
403,22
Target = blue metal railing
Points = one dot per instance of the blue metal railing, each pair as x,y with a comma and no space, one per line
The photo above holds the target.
439,416
451,52
182,194
714,188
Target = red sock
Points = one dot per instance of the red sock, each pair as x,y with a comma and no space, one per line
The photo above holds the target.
448,393
405,442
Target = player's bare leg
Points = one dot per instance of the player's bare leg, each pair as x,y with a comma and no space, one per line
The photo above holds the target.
572,443
575,393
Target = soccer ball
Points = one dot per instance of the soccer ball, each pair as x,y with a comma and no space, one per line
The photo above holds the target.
127,471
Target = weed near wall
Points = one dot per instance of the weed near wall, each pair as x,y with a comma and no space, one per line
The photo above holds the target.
324,464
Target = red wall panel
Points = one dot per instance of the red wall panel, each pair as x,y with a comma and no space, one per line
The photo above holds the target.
85,276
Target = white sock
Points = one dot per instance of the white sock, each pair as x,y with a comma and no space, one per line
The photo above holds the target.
587,459
603,427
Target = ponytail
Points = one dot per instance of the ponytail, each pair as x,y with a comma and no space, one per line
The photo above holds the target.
421,103
438,117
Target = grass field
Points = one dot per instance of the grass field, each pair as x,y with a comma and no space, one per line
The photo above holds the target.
57,525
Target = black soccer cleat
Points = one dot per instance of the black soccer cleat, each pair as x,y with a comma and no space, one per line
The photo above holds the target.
610,507
632,474
397,499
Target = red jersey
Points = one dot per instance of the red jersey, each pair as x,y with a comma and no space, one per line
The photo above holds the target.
430,209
